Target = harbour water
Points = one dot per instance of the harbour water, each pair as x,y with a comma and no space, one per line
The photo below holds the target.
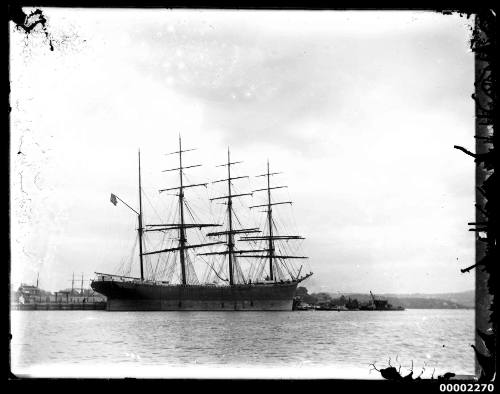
305,344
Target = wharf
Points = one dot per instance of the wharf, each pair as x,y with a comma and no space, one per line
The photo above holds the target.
60,306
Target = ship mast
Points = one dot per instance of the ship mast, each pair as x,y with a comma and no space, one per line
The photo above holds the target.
270,224
182,226
140,229
271,237
229,233
114,199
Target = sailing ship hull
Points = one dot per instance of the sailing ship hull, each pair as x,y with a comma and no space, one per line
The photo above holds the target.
144,296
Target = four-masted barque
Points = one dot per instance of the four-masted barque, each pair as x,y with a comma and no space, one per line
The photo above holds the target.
270,286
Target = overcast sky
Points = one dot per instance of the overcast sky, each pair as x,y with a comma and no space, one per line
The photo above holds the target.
360,110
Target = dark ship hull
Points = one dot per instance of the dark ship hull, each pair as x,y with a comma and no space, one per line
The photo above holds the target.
137,295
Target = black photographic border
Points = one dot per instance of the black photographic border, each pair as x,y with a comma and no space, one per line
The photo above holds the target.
485,226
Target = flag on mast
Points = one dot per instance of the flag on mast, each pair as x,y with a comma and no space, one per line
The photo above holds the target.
113,199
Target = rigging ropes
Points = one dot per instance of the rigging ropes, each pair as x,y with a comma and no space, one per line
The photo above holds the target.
125,266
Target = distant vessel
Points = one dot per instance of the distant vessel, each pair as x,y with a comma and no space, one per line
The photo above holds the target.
269,284
379,305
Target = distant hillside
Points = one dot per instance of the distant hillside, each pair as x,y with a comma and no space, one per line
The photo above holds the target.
463,300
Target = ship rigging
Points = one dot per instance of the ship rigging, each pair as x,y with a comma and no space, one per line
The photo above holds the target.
268,284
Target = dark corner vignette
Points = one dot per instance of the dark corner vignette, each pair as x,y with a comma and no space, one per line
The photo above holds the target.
28,22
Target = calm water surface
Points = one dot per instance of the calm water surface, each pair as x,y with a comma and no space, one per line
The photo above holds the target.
234,344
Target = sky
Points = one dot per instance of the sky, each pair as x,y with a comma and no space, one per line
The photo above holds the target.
359,109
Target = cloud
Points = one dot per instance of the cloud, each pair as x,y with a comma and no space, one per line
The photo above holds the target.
260,83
